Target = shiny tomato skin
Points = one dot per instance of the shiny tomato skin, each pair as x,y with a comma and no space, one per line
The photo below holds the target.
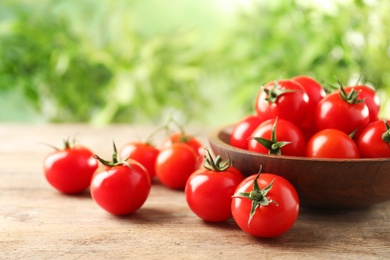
290,106
370,142
190,140
285,131
175,164
121,190
243,129
313,89
371,99
143,153
272,220
70,170
209,193
335,113
315,93
331,143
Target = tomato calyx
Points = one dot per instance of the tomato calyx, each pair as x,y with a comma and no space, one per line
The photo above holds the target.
116,160
351,97
217,164
386,134
274,93
257,195
273,145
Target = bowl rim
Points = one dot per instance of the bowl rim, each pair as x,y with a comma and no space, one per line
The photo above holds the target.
214,136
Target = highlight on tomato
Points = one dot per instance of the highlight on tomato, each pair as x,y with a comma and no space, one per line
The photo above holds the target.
370,98
374,141
343,111
331,143
143,152
120,187
285,99
70,169
175,164
209,190
243,129
265,205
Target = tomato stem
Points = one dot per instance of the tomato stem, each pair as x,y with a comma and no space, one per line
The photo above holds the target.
351,97
216,164
274,93
116,161
386,134
273,146
257,195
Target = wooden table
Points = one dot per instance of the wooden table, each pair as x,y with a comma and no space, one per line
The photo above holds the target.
38,222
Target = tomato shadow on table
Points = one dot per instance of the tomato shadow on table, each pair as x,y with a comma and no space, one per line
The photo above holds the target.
317,227
150,216
228,225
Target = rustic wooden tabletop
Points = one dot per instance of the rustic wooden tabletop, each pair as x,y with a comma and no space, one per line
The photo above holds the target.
38,222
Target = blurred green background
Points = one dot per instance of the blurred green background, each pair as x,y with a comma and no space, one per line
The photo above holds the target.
123,61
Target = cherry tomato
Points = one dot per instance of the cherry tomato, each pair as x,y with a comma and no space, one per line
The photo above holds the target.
285,99
277,136
175,164
370,97
120,187
265,205
187,139
209,190
70,170
374,141
343,111
144,153
315,93
243,129
331,143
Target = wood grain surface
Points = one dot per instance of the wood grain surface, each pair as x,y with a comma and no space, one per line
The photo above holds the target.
37,222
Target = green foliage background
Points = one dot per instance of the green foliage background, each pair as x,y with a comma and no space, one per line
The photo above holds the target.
120,61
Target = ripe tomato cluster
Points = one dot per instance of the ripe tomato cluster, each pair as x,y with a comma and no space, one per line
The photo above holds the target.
297,117
264,205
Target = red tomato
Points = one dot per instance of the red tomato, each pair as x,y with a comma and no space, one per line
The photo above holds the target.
70,170
285,99
374,141
189,140
144,153
331,143
343,111
265,205
243,129
288,138
371,99
175,164
209,190
315,93
120,187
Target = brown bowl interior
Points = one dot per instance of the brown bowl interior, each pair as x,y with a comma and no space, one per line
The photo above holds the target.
320,183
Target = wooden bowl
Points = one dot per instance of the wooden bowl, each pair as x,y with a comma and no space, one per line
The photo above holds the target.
320,183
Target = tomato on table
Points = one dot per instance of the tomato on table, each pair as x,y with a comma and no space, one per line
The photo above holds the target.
265,205
175,164
331,143
143,152
277,136
69,170
120,187
243,129
209,190
374,141
285,99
